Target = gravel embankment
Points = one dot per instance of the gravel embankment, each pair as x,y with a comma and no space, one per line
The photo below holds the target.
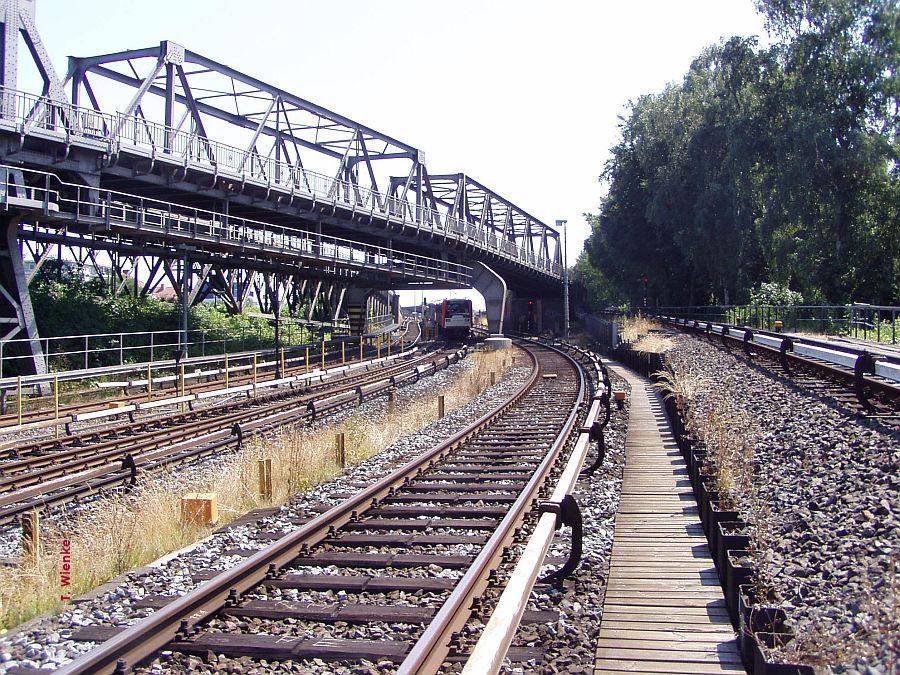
831,486
46,642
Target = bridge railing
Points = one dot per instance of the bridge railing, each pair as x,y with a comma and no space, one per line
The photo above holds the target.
82,203
118,130
68,352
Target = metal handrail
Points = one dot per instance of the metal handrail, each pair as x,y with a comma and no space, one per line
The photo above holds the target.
117,129
151,342
139,212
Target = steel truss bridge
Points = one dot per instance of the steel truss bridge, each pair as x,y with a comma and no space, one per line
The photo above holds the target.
161,164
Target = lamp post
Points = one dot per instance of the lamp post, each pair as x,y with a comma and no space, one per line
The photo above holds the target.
565,256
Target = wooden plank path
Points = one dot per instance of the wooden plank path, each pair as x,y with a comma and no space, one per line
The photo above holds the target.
664,610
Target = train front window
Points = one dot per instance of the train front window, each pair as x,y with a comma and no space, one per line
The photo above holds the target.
458,307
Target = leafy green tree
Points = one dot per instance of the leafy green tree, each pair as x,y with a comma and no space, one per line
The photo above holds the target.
764,165
775,294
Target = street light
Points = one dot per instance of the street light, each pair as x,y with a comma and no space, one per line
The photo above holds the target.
565,256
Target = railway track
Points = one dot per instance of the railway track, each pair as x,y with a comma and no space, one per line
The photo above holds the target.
41,451
199,382
390,574
55,471
867,383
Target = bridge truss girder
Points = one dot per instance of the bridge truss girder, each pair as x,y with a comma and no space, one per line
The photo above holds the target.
182,105
467,199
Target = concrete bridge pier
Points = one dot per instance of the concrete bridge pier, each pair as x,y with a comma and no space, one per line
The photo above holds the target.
493,288
365,303
358,308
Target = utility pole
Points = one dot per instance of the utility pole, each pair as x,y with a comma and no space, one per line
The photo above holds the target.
565,256
185,303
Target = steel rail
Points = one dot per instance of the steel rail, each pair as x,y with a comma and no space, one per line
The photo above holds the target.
856,367
45,418
51,494
52,447
429,652
148,635
489,652
310,380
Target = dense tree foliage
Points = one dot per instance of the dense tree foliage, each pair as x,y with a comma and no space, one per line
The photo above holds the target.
764,165
592,289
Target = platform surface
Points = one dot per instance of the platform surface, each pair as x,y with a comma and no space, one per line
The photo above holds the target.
664,610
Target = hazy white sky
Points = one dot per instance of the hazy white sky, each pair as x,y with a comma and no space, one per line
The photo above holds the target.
521,95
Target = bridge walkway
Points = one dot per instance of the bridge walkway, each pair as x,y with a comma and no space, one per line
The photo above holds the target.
664,610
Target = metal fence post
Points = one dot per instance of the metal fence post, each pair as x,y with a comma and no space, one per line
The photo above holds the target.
86,343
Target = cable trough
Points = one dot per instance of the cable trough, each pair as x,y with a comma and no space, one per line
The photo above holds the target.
436,529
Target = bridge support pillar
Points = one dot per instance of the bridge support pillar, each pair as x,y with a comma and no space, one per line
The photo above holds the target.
493,288
357,301
395,307
16,313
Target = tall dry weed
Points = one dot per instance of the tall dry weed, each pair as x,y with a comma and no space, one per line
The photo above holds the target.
633,328
128,529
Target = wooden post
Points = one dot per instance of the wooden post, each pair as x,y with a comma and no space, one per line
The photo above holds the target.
182,385
440,406
343,352
389,345
56,404
306,360
340,450
378,346
149,382
392,401
265,479
31,535
323,353
19,397
360,347
493,378
254,373
227,380
283,371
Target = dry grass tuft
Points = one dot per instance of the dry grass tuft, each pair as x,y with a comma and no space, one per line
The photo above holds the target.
635,327
684,386
128,529
726,432
654,342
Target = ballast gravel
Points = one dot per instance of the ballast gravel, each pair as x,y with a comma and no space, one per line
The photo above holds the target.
831,483
46,643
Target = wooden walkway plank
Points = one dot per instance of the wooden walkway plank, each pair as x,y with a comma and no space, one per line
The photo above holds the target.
664,610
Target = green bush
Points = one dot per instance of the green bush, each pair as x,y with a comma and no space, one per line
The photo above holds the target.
774,294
